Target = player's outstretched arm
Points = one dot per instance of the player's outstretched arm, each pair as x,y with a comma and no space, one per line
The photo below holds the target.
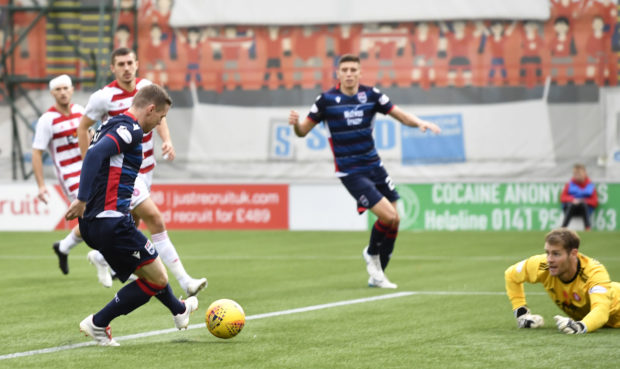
601,297
412,120
301,128
516,275
525,319
82,133
37,169
569,326
167,149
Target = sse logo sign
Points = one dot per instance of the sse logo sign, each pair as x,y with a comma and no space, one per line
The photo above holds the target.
280,140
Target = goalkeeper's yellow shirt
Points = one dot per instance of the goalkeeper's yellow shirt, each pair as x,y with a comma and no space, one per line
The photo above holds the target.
590,297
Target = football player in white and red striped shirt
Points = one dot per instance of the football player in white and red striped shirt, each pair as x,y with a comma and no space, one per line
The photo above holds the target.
110,101
56,132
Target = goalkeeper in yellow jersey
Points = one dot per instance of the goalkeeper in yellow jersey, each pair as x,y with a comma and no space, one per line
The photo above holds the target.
578,284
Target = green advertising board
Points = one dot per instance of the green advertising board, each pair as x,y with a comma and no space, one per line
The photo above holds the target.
495,206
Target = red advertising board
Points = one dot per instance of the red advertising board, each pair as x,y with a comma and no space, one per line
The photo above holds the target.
62,222
238,206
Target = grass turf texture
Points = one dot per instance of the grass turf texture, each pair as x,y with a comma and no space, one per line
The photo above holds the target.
267,271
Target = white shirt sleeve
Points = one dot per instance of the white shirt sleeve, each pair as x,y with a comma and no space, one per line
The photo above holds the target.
77,108
43,133
143,82
96,108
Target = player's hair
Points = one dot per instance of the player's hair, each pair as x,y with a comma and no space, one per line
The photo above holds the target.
121,51
579,166
122,27
348,58
565,237
152,94
561,20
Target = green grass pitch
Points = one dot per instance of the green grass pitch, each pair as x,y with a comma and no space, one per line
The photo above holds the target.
459,317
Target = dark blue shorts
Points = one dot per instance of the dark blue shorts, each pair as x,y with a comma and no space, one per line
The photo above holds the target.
122,245
367,188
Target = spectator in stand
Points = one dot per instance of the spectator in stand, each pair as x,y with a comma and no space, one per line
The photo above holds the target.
579,197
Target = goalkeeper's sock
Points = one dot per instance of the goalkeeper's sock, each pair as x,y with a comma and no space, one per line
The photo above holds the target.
377,235
387,247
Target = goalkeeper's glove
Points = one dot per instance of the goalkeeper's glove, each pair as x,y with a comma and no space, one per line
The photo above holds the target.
569,326
527,320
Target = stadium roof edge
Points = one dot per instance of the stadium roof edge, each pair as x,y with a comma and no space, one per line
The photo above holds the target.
188,13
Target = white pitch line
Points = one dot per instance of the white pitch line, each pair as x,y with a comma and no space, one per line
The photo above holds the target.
255,317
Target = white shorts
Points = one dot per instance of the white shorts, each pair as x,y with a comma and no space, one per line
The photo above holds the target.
141,189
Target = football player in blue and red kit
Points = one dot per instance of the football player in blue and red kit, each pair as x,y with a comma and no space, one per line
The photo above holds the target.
348,111
109,170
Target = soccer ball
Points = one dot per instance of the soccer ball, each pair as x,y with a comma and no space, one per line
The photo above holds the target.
225,318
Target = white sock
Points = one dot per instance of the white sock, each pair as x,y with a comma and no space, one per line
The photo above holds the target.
169,255
100,259
69,242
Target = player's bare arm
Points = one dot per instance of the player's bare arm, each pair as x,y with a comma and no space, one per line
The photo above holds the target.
83,135
301,128
37,169
167,149
76,209
412,120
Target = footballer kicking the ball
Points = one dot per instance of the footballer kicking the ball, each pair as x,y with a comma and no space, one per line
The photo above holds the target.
107,180
113,100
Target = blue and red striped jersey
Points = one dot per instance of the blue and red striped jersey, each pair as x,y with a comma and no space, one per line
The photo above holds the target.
110,167
350,121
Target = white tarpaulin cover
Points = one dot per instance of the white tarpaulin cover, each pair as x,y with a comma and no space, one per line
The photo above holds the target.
187,13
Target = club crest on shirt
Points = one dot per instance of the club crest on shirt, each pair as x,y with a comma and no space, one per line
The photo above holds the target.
72,138
337,99
149,248
361,97
576,297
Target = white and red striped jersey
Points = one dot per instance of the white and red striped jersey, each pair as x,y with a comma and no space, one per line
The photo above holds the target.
57,133
111,101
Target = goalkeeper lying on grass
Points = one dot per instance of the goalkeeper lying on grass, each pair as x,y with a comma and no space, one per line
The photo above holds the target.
579,285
